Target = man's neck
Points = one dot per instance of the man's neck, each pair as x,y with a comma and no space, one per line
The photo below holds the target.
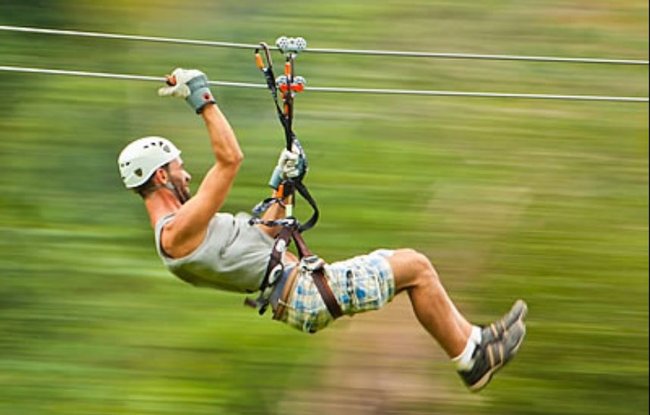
160,203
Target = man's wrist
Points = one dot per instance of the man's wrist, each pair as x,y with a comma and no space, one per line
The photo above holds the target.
277,194
200,99
208,109
200,94
281,196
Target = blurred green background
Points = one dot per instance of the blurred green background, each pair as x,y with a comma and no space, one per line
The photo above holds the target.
545,200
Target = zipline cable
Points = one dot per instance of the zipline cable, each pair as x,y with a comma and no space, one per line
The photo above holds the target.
116,76
127,37
327,51
442,55
334,89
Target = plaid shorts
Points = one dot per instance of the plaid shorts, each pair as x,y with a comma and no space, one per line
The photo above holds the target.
359,284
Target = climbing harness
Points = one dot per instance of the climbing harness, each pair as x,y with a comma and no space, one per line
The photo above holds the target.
288,85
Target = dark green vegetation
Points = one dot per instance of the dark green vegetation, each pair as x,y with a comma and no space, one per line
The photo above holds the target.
547,200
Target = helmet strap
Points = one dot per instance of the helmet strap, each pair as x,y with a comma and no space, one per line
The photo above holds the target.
169,185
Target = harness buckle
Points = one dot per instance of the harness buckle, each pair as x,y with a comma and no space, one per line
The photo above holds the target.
311,263
264,298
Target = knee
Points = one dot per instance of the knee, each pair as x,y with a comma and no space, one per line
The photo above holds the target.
423,270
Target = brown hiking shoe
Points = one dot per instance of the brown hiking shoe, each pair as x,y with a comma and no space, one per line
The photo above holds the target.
495,331
490,357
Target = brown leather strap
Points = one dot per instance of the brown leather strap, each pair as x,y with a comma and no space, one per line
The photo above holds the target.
282,241
319,279
301,245
326,293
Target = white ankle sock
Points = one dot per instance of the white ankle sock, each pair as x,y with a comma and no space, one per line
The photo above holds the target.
464,360
476,334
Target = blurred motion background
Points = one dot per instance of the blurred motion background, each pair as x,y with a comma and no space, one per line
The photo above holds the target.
543,200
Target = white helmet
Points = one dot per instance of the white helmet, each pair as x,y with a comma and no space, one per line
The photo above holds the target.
142,157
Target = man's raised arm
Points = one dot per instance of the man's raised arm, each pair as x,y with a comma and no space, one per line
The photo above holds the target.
191,221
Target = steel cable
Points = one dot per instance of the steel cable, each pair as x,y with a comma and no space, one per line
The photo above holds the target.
326,51
334,89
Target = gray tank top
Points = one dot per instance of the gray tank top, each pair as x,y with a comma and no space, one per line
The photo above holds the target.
232,257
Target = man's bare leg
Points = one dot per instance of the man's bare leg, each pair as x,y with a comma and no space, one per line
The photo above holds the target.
434,309
477,357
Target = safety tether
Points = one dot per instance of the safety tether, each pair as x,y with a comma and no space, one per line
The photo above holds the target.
291,228
288,85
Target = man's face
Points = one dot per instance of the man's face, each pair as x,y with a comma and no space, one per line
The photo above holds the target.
180,178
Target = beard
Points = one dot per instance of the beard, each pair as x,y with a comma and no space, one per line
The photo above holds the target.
181,190
184,194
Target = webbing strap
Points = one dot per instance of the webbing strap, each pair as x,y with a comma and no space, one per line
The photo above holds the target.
301,246
269,76
279,247
326,293
302,189
274,267
320,280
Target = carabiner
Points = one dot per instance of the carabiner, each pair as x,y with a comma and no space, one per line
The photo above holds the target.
267,54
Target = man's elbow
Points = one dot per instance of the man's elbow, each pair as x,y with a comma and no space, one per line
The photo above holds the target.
233,160
238,158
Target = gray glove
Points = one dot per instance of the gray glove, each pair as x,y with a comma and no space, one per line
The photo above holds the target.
291,165
190,84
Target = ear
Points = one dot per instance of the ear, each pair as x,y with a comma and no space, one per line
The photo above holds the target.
161,176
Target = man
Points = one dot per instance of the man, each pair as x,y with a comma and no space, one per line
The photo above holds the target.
206,247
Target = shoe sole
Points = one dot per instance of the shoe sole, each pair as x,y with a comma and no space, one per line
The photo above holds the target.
488,375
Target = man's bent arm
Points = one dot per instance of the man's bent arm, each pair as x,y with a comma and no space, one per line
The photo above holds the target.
189,226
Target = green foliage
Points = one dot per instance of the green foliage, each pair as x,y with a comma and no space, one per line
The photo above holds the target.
542,200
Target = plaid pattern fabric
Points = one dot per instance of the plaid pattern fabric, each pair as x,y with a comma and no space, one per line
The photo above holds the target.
360,284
